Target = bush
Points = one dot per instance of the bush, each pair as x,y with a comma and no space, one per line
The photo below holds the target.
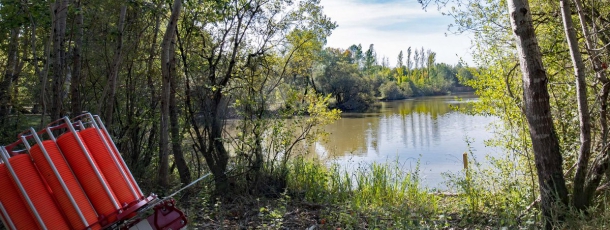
391,91
346,84
407,89
359,103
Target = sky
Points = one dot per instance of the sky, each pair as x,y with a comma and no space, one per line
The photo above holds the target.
394,25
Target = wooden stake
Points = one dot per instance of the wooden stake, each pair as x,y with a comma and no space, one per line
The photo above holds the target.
465,159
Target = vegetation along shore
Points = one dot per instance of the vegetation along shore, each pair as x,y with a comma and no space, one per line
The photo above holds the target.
243,90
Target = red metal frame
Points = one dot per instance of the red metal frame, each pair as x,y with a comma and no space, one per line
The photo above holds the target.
165,214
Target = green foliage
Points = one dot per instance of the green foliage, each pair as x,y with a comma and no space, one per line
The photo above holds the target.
389,196
391,91
500,190
272,217
369,186
498,83
355,79
268,139
268,75
510,176
210,57
381,194
343,81
370,59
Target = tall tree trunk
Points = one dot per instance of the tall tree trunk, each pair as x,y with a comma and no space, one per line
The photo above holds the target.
154,98
76,61
60,12
40,73
547,155
10,75
183,168
108,97
579,200
600,166
44,78
216,146
166,57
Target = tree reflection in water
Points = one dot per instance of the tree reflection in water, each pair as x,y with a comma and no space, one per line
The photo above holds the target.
426,129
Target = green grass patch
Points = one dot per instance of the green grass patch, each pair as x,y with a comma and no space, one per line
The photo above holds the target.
387,196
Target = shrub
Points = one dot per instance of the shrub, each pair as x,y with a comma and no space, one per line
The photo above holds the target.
391,91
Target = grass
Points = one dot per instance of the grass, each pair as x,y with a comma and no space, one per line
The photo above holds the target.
384,196
372,196
376,196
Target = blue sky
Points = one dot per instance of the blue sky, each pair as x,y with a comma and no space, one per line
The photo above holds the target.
394,25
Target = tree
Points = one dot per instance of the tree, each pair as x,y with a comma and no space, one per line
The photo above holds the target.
416,57
304,51
107,100
549,162
167,53
430,61
233,40
370,58
175,127
399,61
119,59
423,58
409,62
391,91
60,15
11,73
356,51
77,79
582,130
344,81
601,164
385,62
579,198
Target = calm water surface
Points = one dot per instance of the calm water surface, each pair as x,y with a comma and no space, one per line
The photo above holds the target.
425,129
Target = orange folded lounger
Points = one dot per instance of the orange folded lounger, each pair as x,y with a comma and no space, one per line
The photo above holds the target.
89,175
38,192
17,209
82,203
112,170
132,181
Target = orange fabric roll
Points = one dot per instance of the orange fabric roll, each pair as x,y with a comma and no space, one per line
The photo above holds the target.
37,191
14,204
85,173
111,170
118,156
71,183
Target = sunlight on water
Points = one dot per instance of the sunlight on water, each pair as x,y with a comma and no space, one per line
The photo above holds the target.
426,129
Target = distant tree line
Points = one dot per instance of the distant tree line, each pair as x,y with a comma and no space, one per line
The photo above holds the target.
355,78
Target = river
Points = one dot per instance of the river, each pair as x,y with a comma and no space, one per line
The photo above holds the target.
425,130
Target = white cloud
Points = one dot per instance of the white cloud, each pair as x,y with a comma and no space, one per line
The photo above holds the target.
393,26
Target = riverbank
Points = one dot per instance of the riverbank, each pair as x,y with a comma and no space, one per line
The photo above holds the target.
456,90
321,197
377,197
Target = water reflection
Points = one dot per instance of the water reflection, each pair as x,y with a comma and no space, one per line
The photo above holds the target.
427,129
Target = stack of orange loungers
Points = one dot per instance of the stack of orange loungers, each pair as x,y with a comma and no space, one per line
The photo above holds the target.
75,181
